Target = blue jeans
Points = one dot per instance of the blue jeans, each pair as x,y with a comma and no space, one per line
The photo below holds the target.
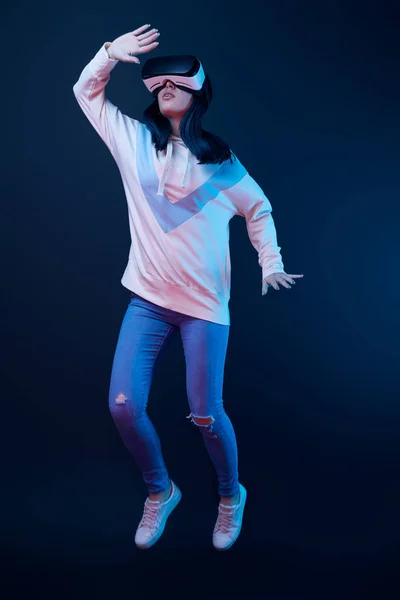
145,332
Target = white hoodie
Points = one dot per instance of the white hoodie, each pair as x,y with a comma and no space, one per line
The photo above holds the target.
179,211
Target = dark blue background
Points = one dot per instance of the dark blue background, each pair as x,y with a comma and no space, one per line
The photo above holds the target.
307,95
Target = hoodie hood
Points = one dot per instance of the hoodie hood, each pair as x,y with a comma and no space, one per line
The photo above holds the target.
173,139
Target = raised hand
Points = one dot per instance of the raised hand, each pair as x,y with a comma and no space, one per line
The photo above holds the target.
127,46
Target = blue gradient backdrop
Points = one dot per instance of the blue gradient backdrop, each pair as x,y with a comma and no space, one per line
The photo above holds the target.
307,95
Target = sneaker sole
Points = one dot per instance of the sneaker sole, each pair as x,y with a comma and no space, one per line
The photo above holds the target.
174,503
243,492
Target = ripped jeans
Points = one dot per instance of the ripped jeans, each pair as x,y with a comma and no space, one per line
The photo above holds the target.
144,335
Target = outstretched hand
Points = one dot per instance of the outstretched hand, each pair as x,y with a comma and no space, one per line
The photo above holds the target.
278,278
127,46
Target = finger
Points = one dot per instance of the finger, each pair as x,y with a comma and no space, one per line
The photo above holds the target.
296,275
145,42
147,34
272,283
131,58
147,48
284,283
140,29
292,281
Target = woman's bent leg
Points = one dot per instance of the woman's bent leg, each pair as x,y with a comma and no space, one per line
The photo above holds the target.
205,344
143,336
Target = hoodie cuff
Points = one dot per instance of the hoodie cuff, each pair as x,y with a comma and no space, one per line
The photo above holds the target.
101,64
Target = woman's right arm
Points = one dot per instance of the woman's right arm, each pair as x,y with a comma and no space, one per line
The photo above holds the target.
89,90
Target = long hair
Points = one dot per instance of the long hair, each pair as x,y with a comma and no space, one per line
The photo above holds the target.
206,146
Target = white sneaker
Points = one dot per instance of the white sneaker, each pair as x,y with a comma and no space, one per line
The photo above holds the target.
154,518
229,522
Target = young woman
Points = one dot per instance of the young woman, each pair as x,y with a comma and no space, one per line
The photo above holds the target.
182,185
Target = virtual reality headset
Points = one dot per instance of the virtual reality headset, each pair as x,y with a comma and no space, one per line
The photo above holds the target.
184,70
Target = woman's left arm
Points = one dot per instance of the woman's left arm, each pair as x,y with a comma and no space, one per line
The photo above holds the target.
252,203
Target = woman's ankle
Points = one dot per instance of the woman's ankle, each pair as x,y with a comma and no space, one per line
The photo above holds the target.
231,500
162,496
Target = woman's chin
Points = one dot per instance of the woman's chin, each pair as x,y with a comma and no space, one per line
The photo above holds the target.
169,114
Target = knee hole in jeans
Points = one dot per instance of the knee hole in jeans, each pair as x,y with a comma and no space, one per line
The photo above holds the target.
204,422
120,399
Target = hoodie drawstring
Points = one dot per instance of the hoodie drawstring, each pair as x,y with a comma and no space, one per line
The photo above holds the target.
183,184
167,164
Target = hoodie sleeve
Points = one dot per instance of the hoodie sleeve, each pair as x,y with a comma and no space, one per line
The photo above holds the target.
89,91
252,204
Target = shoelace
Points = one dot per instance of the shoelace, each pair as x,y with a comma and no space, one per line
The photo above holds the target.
149,518
224,521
